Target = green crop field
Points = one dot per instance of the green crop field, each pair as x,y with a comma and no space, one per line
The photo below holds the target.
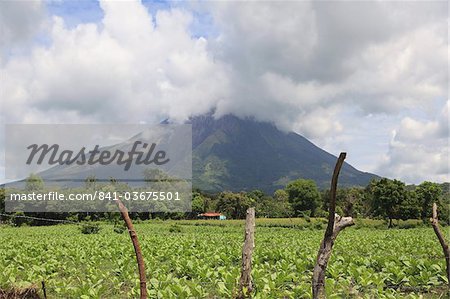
202,260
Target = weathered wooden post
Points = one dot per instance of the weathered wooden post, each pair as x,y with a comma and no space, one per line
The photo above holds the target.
435,223
44,289
245,282
336,223
137,249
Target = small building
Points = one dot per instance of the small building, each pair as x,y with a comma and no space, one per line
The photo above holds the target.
212,215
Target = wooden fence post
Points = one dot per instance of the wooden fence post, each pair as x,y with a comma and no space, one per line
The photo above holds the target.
245,282
137,249
445,248
336,223
44,289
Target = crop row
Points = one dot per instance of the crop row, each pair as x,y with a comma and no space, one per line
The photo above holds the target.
203,262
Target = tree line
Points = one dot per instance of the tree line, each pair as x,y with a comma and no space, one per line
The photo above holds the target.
380,199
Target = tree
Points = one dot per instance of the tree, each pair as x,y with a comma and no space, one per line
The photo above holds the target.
34,183
303,196
257,195
154,175
427,193
389,197
234,205
198,203
355,203
410,208
90,182
273,207
280,195
2,200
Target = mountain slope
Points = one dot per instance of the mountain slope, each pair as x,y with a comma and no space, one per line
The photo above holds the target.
235,154
242,154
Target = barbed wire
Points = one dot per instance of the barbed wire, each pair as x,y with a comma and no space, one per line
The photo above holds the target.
40,218
51,220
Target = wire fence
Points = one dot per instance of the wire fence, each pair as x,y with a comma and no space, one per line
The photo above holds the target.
40,218
60,221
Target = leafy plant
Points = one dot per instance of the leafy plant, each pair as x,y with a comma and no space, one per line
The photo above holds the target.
119,228
204,261
175,228
90,228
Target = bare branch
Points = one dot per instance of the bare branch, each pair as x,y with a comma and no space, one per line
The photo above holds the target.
137,249
336,223
332,205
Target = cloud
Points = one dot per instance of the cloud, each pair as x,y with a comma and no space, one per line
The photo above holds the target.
19,21
309,54
412,130
420,149
319,68
143,69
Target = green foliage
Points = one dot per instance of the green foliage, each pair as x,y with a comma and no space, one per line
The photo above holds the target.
410,207
90,182
321,213
389,196
307,218
2,200
354,202
281,195
199,203
90,228
234,205
204,261
303,195
277,206
427,193
34,183
119,228
18,219
175,228
155,175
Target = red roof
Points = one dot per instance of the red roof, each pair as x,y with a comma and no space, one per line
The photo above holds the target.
211,214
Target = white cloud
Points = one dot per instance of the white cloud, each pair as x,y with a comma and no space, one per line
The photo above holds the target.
402,73
419,150
141,69
319,68
19,21
349,61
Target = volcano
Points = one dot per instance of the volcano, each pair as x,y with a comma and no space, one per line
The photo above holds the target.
235,154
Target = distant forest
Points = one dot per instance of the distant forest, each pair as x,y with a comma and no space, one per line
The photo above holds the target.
380,199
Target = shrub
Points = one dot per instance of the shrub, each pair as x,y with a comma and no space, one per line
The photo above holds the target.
319,213
174,228
119,228
90,228
319,225
19,219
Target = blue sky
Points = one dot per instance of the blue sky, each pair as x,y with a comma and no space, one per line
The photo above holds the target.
79,12
76,12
